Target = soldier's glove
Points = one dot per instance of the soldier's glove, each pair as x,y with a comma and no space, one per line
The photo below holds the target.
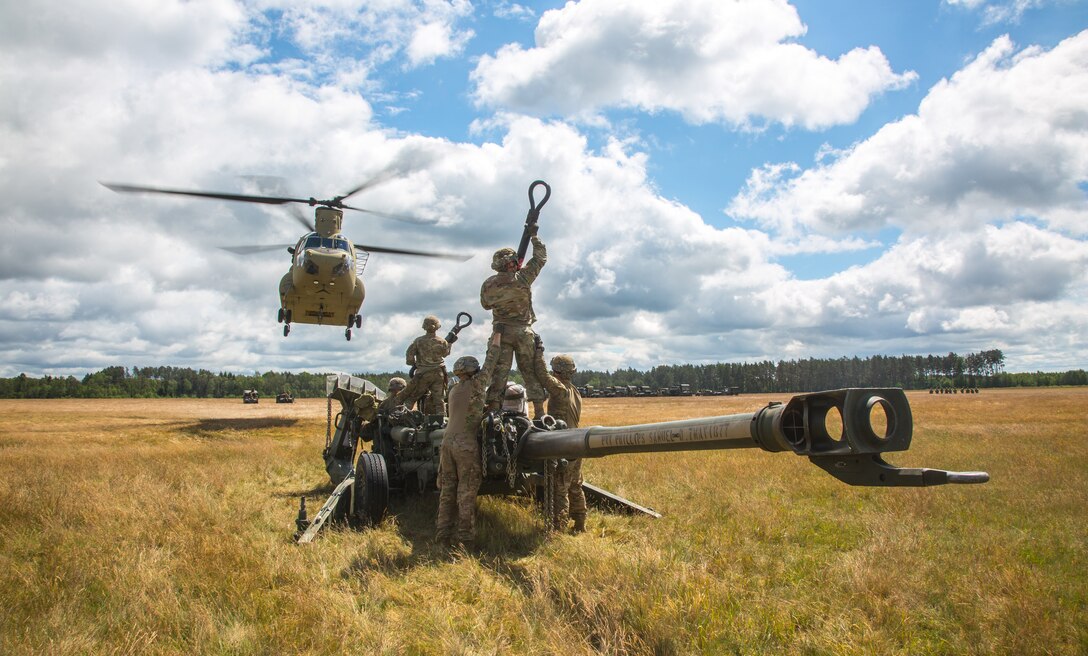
539,343
451,337
533,229
412,372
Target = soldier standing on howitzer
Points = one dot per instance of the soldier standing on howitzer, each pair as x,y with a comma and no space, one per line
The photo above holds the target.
460,470
508,294
565,403
427,357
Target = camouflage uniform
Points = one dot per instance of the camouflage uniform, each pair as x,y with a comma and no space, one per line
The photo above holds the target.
565,403
460,471
396,385
427,354
509,295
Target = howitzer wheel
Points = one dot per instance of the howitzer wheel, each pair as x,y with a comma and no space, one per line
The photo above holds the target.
371,488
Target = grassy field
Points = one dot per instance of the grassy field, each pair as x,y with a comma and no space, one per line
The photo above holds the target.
164,527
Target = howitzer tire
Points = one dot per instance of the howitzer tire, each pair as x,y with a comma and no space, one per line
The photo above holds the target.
371,488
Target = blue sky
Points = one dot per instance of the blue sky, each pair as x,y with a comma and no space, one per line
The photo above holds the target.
732,180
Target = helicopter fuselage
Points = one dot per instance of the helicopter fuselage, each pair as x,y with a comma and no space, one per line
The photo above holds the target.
322,286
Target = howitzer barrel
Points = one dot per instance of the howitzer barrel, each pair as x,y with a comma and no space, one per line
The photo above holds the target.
842,431
729,432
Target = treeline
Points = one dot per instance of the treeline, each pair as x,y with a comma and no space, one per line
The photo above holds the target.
167,382
982,369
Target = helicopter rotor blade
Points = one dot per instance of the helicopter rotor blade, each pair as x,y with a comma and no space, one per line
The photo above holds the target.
275,184
396,217
403,251
267,200
385,175
405,163
297,215
250,250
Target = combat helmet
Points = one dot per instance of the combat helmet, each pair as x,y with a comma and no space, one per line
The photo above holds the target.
502,258
563,364
396,384
466,364
431,322
513,399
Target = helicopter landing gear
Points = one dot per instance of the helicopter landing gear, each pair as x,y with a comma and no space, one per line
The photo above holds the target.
347,334
356,320
284,317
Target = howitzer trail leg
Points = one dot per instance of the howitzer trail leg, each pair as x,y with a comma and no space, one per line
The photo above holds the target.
327,510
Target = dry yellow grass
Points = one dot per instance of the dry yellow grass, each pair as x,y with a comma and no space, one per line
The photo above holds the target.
164,526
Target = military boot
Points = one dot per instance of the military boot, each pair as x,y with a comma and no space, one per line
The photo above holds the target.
579,524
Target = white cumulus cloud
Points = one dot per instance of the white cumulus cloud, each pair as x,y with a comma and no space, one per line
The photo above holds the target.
1005,137
730,62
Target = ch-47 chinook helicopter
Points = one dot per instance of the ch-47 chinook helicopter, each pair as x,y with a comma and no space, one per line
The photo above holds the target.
323,285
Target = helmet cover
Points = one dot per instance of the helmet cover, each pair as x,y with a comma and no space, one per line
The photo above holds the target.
466,364
502,258
563,364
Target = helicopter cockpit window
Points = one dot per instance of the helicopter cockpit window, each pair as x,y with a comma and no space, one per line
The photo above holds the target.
314,241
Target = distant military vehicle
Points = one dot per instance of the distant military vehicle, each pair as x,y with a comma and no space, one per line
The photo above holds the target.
285,397
844,432
250,396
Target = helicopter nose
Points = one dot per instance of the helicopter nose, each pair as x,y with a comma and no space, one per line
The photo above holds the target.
325,264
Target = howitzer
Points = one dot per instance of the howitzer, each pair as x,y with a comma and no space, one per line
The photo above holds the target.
531,218
844,432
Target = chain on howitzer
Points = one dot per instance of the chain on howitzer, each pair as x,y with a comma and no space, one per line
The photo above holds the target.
328,422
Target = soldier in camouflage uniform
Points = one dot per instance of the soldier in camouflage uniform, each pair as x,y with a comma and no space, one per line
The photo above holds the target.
396,385
427,355
564,402
384,408
508,294
460,471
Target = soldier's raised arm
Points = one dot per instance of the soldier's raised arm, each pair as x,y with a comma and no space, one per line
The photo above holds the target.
410,355
540,257
551,383
478,401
